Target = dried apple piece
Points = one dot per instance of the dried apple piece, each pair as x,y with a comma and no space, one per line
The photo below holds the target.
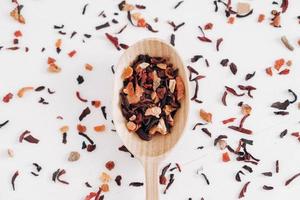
127,72
206,116
180,88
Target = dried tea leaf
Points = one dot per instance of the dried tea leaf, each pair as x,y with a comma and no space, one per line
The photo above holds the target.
4,123
136,184
281,105
195,58
13,179
204,39
219,41
105,25
233,68
291,179
265,187
118,180
84,113
249,76
244,190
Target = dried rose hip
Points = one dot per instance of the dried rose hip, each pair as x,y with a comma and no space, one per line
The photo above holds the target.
7,97
110,165
151,95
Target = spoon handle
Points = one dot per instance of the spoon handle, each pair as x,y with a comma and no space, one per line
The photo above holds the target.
151,172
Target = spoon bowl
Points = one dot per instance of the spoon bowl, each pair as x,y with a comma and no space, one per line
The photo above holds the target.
150,153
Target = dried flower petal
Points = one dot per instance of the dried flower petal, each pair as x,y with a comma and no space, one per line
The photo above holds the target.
127,72
206,116
105,178
99,128
261,18
225,157
53,68
22,91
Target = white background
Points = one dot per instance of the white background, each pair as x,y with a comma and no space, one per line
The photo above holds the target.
252,46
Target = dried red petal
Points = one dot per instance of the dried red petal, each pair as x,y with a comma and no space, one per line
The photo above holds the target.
51,60
284,72
208,26
269,71
90,196
284,5
18,33
225,157
204,39
72,53
113,40
7,97
226,121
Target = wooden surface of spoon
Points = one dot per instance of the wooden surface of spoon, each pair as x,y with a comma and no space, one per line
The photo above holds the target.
150,153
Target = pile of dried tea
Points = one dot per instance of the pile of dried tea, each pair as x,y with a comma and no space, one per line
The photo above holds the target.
150,97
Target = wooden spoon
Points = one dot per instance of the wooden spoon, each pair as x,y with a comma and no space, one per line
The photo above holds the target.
150,153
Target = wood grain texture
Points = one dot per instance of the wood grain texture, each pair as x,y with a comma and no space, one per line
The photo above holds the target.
150,153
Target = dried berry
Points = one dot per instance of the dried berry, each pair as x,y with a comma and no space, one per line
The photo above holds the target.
110,165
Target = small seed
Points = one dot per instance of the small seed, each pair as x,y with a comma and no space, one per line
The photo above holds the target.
243,8
74,156
10,153
222,144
